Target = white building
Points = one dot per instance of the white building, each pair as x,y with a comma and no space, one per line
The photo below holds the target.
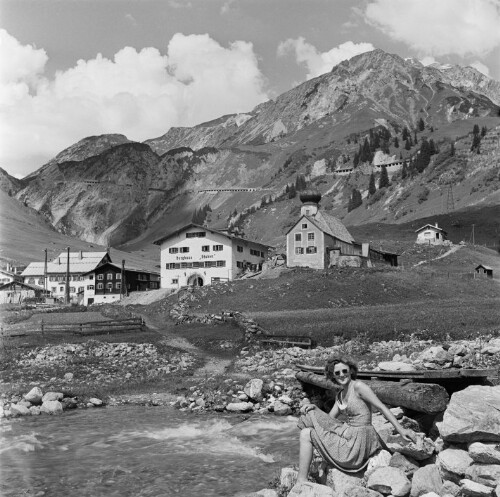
431,235
196,255
80,263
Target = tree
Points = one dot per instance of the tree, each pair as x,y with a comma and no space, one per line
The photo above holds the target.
452,149
421,124
371,186
432,147
475,129
366,152
484,130
404,172
300,183
476,142
396,142
355,201
292,193
404,134
415,137
383,181
407,144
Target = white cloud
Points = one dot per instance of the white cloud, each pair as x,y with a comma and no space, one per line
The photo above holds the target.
462,27
226,6
140,94
480,67
321,62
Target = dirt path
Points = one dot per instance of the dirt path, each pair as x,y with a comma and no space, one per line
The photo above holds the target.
442,256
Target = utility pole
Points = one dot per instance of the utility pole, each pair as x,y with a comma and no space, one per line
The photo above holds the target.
45,272
473,239
122,286
66,296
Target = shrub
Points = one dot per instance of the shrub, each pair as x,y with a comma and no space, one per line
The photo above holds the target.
423,195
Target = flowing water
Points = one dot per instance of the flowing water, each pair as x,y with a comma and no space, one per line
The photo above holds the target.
141,451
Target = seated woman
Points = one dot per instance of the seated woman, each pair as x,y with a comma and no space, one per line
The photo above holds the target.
347,445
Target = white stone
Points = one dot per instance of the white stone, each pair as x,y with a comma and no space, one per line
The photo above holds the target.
383,458
469,488
266,492
339,481
95,402
285,399
436,355
68,377
485,453
239,407
51,407
454,463
389,481
35,410
19,410
34,396
467,419
405,463
281,409
426,480
50,396
486,474
288,477
396,366
254,389
310,489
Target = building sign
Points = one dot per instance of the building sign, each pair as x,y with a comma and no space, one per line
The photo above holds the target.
183,258
207,256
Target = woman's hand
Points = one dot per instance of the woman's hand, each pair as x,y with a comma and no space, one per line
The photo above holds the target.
409,435
308,407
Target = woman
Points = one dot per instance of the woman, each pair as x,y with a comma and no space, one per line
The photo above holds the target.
346,445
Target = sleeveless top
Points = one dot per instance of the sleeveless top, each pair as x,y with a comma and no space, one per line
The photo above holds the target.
355,409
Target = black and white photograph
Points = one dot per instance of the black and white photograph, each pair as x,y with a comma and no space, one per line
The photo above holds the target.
250,248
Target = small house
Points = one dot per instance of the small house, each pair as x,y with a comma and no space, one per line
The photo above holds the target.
431,235
16,292
485,271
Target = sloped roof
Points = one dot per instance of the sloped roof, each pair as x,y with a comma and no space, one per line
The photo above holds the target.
83,263
127,268
437,228
488,268
24,285
204,228
333,227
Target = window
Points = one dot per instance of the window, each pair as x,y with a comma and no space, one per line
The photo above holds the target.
153,284
220,263
91,277
311,250
109,276
198,264
186,265
40,281
81,289
184,249
215,280
255,252
196,234
31,281
60,278
310,236
299,250
239,264
209,263
218,248
173,250
100,286
205,248
90,287
61,289
175,281
71,289
52,278
298,237
304,226
239,248
118,276
53,289
100,276
109,285
118,285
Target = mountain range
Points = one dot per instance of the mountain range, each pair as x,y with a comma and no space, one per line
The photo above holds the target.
110,190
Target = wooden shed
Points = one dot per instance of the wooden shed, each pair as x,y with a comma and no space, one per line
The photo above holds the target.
483,270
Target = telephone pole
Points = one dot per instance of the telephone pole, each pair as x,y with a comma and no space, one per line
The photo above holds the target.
45,273
66,296
473,239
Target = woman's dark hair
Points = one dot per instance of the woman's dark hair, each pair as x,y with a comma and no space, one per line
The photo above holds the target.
332,361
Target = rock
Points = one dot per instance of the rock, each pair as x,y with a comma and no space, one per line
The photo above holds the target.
254,389
51,407
435,355
19,410
285,399
423,449
69,403
265,492
406,463
34,396
389,481
68,377
469,488
24,403
51,396
355,491
281,409
486,474
339,481
200,402
397,412
496,493
485,453
453,463
288,478
310,489
95,402
35,410
239,407
426,480
467,420
457,349
450,488
396,366
243,397
383,458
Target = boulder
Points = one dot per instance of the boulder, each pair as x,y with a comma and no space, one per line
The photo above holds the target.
355,491
426,480
69,403
406,463
51,396
435,355
389,481
421,450
239,407
339,481
288,477
34,396
96,402
467,420
486,474
469,488
281,409
381,459
453,463
450,488
35,410
51,407
265,492
485,453
396,366
310,489
19,410
254,389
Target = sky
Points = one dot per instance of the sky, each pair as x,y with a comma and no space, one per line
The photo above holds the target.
76,68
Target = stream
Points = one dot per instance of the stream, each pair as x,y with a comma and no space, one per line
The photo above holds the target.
143,451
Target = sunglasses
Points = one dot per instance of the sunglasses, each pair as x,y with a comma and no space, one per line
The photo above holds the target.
342,371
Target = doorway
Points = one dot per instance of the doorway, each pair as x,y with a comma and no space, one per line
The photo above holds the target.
195,280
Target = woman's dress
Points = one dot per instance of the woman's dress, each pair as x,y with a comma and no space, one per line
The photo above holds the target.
346,445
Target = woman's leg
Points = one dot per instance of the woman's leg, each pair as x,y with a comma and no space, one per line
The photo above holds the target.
305,455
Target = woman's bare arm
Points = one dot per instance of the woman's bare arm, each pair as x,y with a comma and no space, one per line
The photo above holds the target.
367,394
335,411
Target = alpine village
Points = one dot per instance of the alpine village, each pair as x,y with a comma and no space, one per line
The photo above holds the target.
212,271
